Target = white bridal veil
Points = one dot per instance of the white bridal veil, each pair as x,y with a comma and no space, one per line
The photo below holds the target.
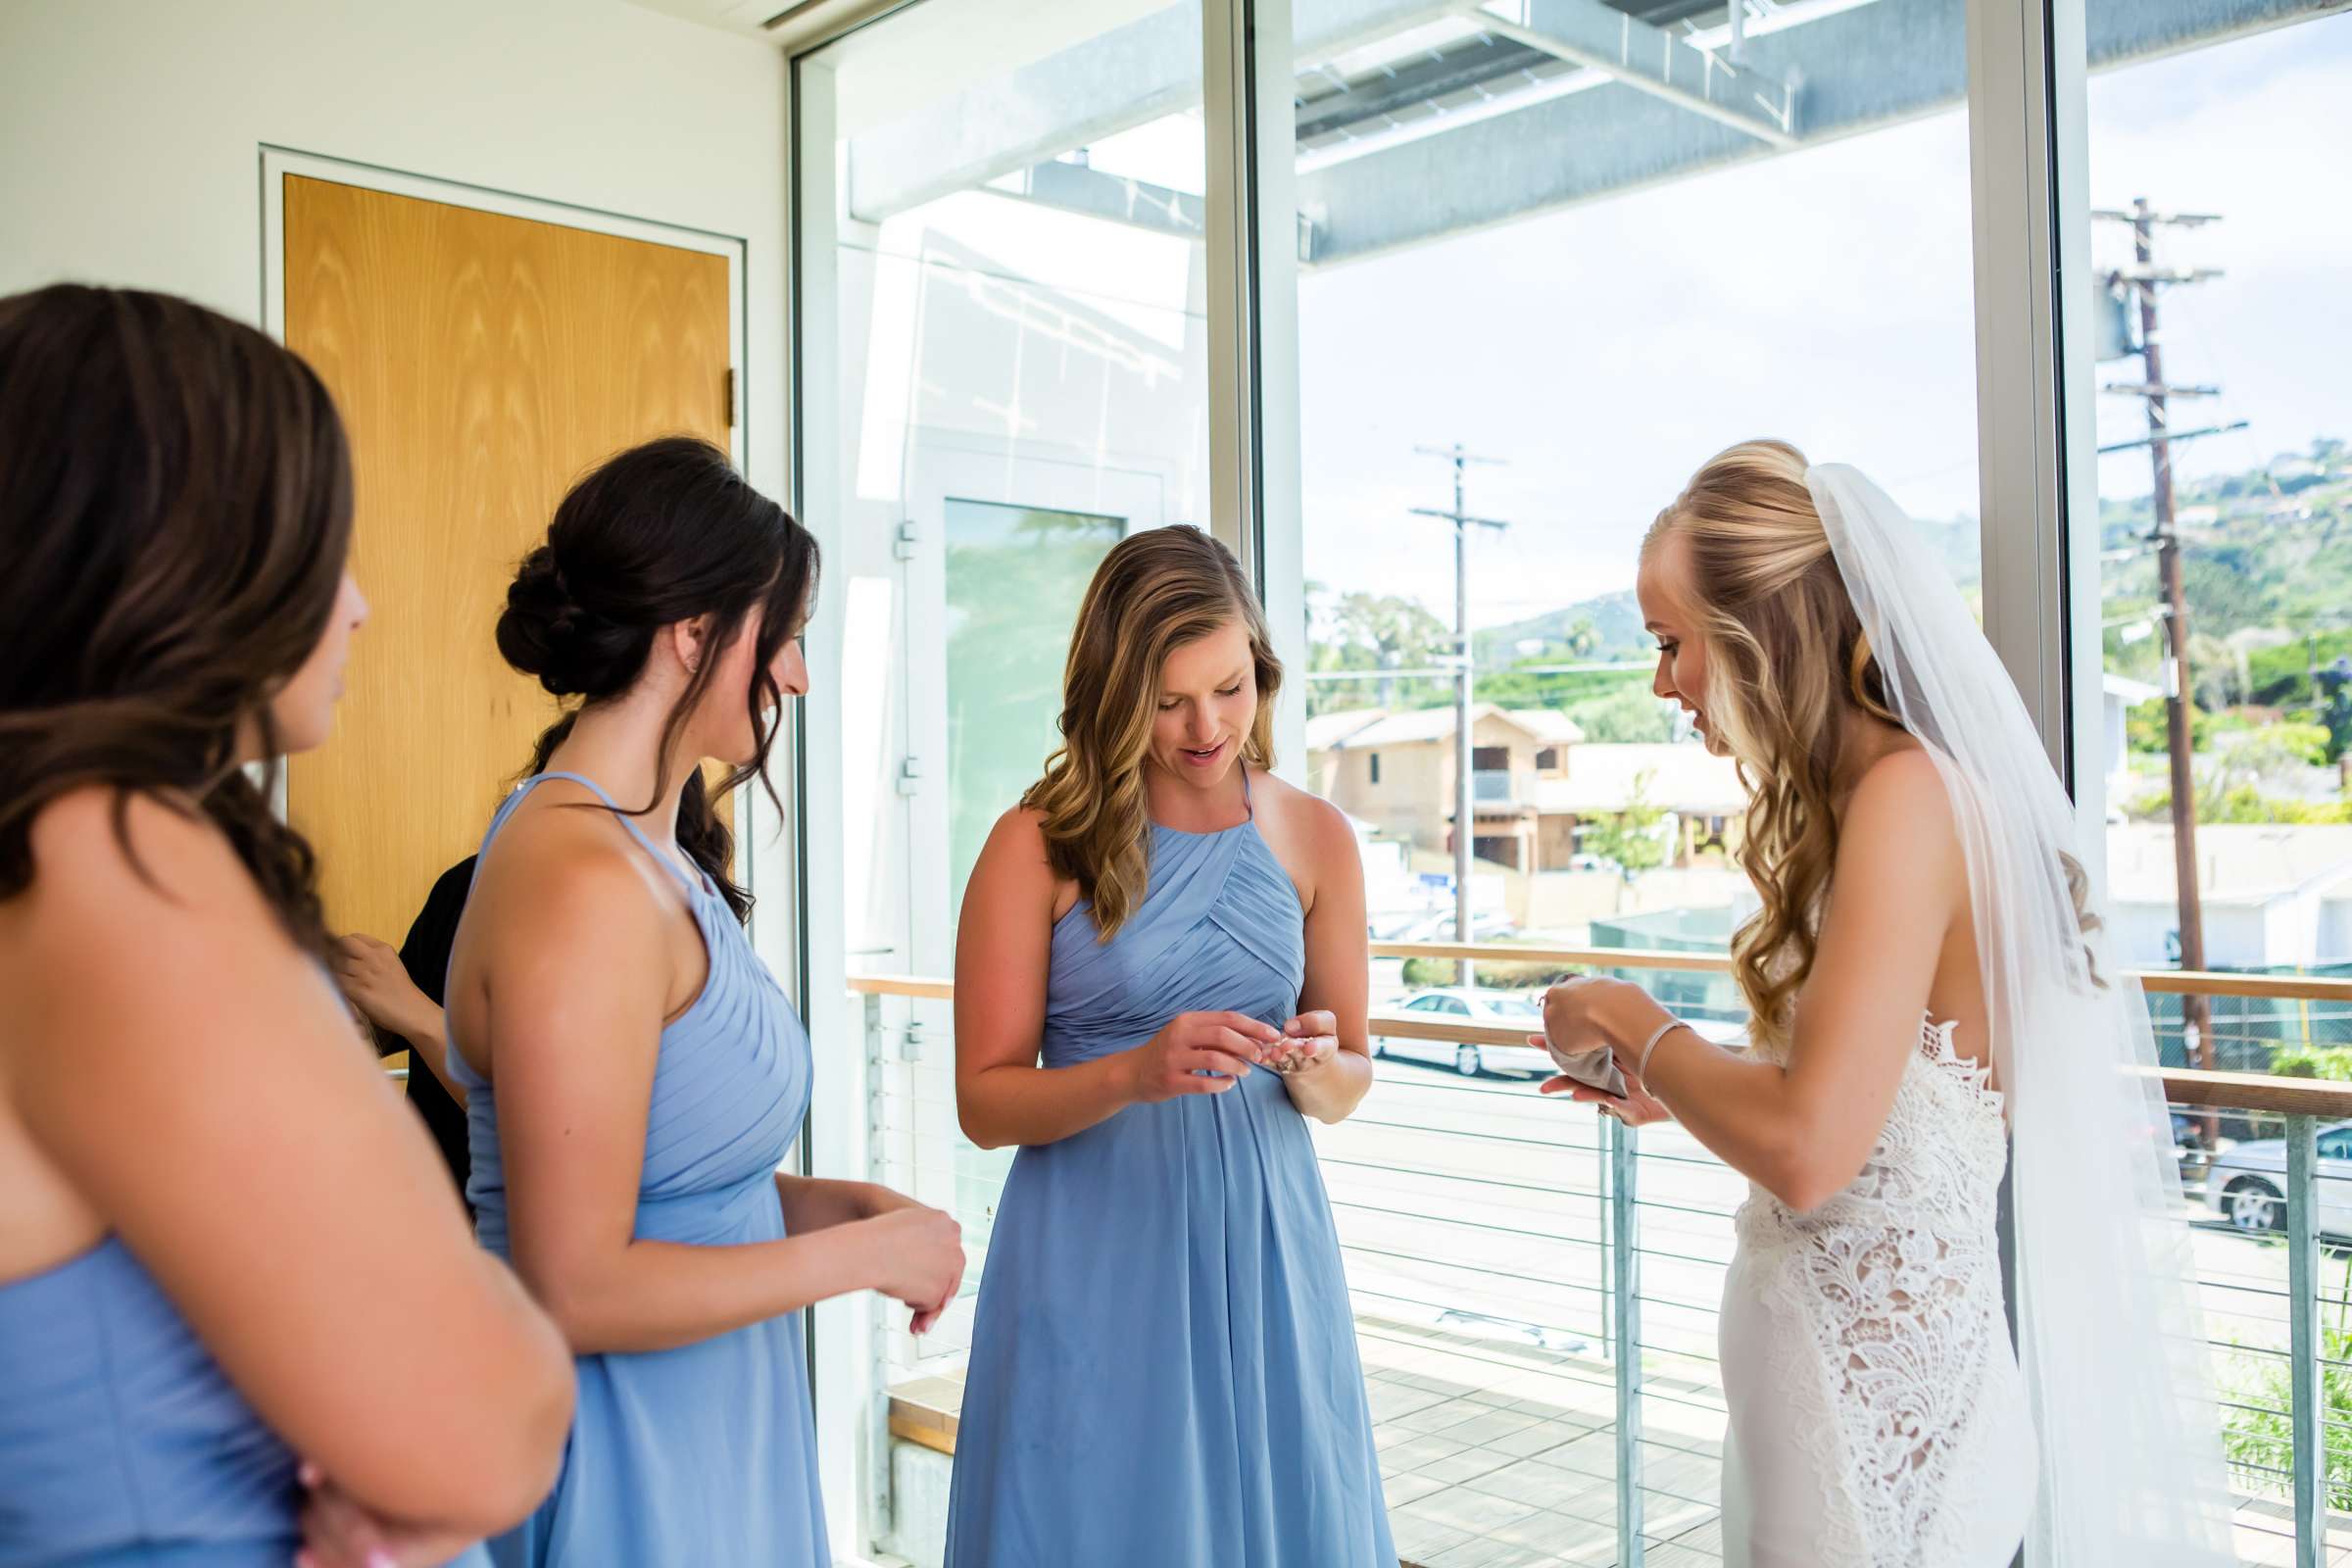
2109,1331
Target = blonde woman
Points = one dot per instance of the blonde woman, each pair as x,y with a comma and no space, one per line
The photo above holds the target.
1930,1005
1160,972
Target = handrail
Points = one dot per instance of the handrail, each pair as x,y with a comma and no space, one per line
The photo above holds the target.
2213,1091
2173,982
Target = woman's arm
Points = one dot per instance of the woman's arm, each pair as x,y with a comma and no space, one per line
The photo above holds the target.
1805,1130
191,1074
575,1008
1004,948
371,975
1338,987
817,1203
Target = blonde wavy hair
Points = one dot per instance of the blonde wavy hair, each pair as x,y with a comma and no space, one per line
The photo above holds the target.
1786,661
1157,591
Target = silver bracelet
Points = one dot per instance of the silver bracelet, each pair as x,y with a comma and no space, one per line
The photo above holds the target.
1650,1046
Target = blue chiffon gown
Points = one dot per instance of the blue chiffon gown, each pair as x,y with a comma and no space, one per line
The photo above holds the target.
1163,1369
707,1453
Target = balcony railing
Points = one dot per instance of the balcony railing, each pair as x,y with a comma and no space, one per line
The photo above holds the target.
1535,1290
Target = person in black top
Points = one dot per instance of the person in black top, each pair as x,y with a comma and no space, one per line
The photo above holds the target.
400,996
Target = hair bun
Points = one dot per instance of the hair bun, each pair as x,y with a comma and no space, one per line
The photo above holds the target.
547,632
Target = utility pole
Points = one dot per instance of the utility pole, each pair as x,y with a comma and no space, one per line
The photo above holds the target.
2143,279
1465,811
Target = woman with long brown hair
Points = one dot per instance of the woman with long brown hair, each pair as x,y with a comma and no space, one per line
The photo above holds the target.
1160,973
635,1075
218,1222
1931,1005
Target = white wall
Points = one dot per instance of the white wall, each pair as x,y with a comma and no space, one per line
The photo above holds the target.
130,133
130,137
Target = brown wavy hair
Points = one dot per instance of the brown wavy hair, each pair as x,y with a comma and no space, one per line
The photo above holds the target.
1154,592
1787,660
175,505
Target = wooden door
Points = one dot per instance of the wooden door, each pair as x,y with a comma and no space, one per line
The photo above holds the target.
482,362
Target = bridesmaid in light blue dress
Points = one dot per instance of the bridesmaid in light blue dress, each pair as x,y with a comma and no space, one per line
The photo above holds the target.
1163,1366
665,1442
218,1228
634,1073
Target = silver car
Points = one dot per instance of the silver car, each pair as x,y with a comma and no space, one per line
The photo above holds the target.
1507,1010
2247,1184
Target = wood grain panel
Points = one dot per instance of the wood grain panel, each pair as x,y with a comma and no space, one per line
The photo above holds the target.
482,362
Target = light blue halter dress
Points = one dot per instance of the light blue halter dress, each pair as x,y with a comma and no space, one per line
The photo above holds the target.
123,1445
1164,1370
707,1453
121,1442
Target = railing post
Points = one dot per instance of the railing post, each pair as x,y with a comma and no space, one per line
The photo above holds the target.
2303,1297
883,1523
1605,1158
1625,1292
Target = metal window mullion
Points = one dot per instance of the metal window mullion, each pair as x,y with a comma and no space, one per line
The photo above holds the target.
1252,255
2028,164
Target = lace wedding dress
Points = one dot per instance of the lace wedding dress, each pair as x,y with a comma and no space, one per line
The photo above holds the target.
1878,1415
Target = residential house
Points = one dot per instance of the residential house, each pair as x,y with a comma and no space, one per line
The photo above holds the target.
2273,894
1536,781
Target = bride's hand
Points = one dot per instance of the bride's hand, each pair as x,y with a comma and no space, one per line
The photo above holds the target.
1580,1014
1638,1109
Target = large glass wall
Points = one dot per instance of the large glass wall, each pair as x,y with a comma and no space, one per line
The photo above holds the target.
1550,256
2219,233
1002,282
1627,277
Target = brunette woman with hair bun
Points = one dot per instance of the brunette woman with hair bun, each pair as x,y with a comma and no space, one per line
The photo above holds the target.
634,1073
218,1222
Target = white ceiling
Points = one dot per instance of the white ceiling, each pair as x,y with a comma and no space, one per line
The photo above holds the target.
734,16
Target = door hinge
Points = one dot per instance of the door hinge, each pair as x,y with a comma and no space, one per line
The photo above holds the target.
905,545
911,775
734,417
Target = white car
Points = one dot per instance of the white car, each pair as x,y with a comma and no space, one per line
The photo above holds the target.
2247,1184
1522,1010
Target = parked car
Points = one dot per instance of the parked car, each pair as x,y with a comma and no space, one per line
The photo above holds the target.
2246,1183
1480,1004
1509,1009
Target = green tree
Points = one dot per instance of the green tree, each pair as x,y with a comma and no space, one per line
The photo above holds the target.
1630,837
1362,632
1628,717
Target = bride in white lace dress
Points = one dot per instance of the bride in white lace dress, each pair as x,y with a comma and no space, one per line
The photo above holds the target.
1925,986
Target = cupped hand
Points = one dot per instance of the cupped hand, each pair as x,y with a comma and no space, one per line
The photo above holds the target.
1637,1108
1307,1041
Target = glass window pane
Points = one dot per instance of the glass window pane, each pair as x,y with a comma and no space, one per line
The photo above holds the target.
2220,219
1015,575
1539,294
1005,283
